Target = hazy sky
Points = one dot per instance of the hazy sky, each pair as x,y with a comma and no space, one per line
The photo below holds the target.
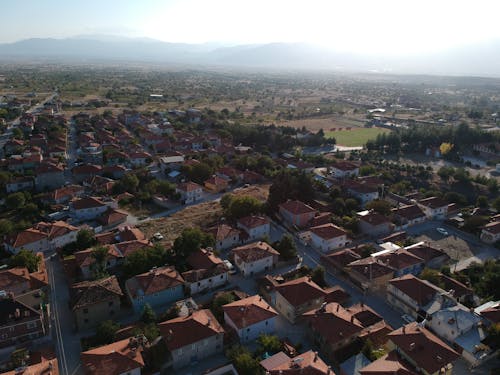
388,26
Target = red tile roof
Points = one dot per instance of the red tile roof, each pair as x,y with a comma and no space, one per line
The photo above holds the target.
249,311
113,216
308,363
254,251
389,364
188,186
328,231
333,323
25,237
223,231
492,313
425,349
183,331
297,207
88,293
419,290
301,290
88,202
114,359
493,228
409,212
11,278
154,281
253,221
433,202
203,259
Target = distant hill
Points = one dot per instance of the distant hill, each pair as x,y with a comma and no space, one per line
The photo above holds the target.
480,59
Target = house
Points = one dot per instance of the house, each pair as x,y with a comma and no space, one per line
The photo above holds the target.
49,176
208,271
408,215
423,350
344,169
122,357
19,184
30,239
363,191
417,297
328,237
434,207
293,298
171,162
84,172
254,258
40,364
250,317
339,260
192,338
15,281
88,208
19,323
225,236
257,227
190,192
370,273
390,363
112,218
139,158
374,224
491,232
59,233
433,258
332,327
157,287
402,261
297,213
490,311
95,301
65,194
307,363
216,184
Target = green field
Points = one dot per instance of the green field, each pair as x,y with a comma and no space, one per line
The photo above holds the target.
355,136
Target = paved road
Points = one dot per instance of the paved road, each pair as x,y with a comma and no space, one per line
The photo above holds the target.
62,321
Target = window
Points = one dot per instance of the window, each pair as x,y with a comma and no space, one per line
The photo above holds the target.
267,323
221,276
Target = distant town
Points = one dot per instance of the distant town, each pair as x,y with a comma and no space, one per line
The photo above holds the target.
209,223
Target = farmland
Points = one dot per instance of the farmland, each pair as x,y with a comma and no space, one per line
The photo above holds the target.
355,136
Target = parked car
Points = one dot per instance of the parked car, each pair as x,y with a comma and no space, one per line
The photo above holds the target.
230,267
158,236
442,231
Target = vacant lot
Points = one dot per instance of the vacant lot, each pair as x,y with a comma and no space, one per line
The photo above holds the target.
355,136
325,123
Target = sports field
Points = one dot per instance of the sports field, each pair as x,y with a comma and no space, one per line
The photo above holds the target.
355,136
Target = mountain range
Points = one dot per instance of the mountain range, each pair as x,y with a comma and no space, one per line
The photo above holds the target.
471,60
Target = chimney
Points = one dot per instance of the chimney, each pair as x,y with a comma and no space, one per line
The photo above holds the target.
403,329
315,356
209,321
17,314
352,318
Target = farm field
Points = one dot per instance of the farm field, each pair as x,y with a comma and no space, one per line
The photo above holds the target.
355,136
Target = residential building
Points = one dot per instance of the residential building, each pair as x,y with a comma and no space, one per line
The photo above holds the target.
208,271
88,208
45,365
370,273
402,261
122,357
408,215
49,176
364,192
59,233
157,287
489,311
293,298
256,227
225,236
390,363
433,258
491,232
297,213
192,338
95,301
216,184
423,350
344,169
64,194
250,317
29,239
332,327
112,217
19,184
374,224
307,363
434,207
19,323
328,237
190,192
254,258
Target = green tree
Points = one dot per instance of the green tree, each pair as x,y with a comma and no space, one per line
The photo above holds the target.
148,314
244,362
286,247
98,268
144,259
379,205
85,239
26,258
219,301
106,332
243,206
226,200
6,227
482,201
318,276
496,204
270,344
15,201
130,182
190,240
200,172
432,276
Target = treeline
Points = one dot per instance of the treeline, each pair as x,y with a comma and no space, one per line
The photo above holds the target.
418,138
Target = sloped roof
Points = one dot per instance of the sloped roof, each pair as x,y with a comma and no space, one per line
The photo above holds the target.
328,231
389,364
87,293
419,290
296,207
154,281
249,311
254,251
301,290
183,331
307,363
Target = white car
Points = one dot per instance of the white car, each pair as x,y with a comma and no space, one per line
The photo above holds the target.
442,231
158,236
230,267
